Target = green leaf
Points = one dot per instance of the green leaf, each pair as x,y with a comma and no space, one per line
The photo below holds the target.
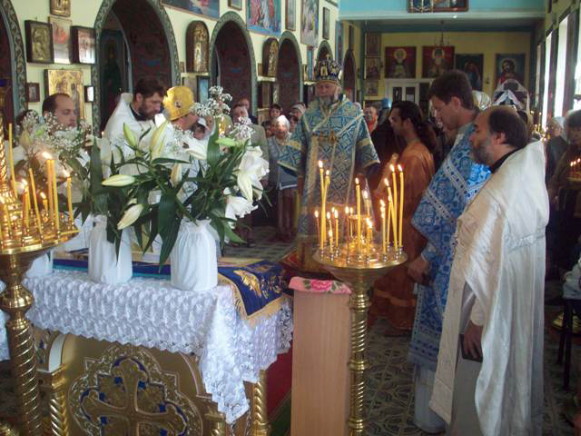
169,241
213,148
227,142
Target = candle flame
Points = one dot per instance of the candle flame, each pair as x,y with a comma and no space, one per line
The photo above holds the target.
400,168
66,174
328,173
336,214
386,181
43,196
356,180
365,195
46,155
328,215
382,203
392,168
320,164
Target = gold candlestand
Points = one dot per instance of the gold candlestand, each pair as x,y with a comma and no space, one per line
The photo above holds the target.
358,271
21,242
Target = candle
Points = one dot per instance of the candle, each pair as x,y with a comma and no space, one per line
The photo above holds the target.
48,158
322,178
34,200
70,198
323,204
330,240
5,213
25,206
358,196
392,214
366,203
329,223
11,161
318,229
395,196
336,215
57,223
369,233
383,241
44,202
401,188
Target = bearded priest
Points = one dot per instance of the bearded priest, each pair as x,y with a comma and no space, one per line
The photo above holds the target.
333,131
489,378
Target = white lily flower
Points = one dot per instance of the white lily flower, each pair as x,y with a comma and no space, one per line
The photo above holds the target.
156,145
252,168
119,180
176,174
129,135
130,216
197,148
237,207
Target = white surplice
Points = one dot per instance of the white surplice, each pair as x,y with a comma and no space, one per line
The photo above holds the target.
500,261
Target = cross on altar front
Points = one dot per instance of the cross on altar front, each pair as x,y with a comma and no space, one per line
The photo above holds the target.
129,416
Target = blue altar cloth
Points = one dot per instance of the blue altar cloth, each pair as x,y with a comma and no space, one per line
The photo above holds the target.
258,285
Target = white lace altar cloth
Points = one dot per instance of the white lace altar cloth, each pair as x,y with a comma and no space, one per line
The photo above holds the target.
149,312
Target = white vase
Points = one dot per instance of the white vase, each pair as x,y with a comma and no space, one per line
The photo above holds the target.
41,266
194,264
104,264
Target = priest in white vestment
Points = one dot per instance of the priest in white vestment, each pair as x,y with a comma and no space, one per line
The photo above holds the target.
496,291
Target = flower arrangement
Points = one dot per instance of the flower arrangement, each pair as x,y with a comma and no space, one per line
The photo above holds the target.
44,138
170,176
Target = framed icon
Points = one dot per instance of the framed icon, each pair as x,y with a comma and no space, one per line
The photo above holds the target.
62,8
61,40
32,92
83,45
68,82
203,87
89,94
38,42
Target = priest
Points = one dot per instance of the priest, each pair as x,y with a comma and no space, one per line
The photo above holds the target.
489,378
334,132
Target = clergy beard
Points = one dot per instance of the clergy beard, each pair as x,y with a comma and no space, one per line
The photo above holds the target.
325,102
481,153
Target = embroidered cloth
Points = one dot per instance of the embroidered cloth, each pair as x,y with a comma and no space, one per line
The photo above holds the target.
457,182
149,312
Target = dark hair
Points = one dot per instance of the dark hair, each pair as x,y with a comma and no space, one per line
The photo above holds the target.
49,103
574,119
276,106
411,111
239,105
506,120
20,117
293,118
528,120
453,83
149,86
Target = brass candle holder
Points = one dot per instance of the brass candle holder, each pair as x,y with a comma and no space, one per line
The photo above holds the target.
24,237
359,269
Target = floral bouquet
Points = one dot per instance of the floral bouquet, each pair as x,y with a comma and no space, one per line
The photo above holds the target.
40,139
175,177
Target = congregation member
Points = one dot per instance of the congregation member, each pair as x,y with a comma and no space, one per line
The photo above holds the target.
275,111
62,108
370,114
556,145
137,110
297,110
244,101
452,187
489,378
333,131
283,184
240,115
565,197
393,295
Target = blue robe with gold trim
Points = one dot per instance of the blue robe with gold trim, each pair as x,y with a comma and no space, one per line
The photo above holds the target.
338,136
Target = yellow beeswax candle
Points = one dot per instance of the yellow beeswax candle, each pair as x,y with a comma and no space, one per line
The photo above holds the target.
70,198
358,197
401,202
34,200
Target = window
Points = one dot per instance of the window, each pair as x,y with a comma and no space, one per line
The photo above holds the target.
547,78
561,67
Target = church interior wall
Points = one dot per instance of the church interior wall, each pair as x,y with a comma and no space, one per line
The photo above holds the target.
487,43
84,13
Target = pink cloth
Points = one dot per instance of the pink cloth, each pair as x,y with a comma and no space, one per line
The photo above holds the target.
315,286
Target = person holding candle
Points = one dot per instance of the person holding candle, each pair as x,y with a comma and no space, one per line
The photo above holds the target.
332,130
393,295
454,184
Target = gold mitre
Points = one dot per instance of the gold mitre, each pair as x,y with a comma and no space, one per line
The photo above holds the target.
328,70
178,102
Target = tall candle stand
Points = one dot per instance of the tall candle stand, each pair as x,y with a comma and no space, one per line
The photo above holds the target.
359,269
23,238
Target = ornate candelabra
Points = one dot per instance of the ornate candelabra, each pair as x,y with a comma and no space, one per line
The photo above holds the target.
359,269
24,236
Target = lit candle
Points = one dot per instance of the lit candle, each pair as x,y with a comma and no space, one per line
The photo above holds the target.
330,240
336,215
401,200
322,178
366,203
323,203
318,229
383,241
358,197
55,199
48,158
34,200
70,198
25,205
329,223
369,233
44,202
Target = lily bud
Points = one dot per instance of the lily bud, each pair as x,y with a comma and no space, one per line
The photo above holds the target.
156,145
130,216
176,174
119,180
129,136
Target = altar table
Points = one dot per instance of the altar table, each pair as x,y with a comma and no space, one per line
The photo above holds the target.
202,328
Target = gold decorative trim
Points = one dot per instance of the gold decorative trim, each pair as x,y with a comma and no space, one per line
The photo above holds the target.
126,392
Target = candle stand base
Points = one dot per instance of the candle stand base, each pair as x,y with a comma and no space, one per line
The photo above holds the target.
359,271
